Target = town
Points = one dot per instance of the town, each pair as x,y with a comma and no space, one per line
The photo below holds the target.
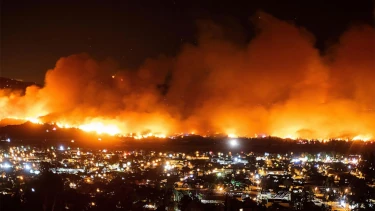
75,178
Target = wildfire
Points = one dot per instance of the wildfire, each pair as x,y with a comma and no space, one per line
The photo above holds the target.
34,120
112,129
231,135
100,128
282,87
362,138
148,135
96,127
61,125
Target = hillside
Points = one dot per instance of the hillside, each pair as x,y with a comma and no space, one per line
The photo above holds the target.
13,84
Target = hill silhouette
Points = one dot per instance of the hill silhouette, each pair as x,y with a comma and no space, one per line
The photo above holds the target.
13,84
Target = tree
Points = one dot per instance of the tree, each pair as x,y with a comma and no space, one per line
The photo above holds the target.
44,193
361,192
287,183
114,159
184,202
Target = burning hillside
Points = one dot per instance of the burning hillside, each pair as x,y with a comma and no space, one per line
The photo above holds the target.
277,84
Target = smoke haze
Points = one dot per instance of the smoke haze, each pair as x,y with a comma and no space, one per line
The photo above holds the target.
277,84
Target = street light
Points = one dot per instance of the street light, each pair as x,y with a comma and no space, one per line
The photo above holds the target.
342,203
233,143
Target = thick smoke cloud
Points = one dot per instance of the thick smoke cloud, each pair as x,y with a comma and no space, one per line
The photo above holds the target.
277,84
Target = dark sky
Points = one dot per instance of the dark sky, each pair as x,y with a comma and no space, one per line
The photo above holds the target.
35,34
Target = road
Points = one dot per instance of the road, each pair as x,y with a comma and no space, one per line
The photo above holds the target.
252,193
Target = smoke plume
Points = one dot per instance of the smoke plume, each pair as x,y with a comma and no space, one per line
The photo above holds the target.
277,84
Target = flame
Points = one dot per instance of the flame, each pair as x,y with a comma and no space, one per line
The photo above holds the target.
231,135
34,120
63,125
140,136
109,129
276,85
362,138
100,128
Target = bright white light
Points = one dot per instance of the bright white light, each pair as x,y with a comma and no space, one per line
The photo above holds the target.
6,165
342,203
8,140
303,159
27,167
61,148
233,143
295,160
32,189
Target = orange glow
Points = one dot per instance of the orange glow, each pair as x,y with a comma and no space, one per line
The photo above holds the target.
275,85
100,128
362,138
34,120
232,135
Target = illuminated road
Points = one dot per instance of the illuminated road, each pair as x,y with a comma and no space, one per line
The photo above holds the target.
251,192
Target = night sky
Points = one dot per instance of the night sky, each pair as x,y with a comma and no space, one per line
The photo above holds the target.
35,34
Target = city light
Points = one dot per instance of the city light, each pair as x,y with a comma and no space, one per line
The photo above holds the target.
98,167
342,203
5,165
233,143
256,107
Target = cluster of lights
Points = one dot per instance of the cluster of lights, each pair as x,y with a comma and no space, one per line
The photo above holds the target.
19,154
148,135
